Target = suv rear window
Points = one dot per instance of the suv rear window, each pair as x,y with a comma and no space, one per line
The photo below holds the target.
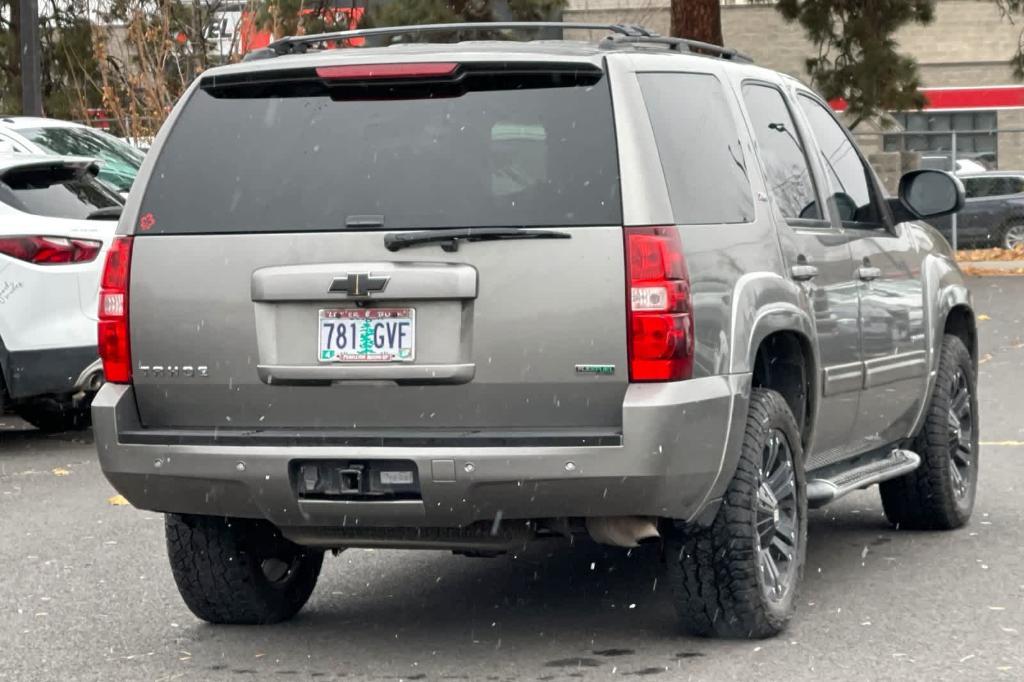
60,192
119,162
504,153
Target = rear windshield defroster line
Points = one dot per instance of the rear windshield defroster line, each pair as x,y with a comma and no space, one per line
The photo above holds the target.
512,147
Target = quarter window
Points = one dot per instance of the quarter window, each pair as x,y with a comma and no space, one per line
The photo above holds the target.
782,151
852,189
699,148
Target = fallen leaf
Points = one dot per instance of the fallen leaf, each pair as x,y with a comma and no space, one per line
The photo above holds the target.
983,317
61,471
975,271
976,255
117,501
985,358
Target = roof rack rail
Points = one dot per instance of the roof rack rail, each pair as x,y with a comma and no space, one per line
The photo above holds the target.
292,44
678,44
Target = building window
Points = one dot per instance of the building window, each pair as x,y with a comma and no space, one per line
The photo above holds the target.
930,133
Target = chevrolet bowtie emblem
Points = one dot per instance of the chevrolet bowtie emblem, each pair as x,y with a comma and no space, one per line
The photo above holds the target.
358,284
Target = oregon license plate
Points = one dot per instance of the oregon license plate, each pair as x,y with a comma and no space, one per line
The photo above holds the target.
367,335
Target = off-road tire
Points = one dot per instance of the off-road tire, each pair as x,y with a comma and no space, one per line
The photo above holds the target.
218,565
50,415
926,498
716,580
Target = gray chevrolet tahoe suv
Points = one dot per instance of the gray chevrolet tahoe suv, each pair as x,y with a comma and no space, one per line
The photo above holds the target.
461,296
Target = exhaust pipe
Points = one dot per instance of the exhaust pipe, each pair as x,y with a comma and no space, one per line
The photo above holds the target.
95,381
91,378
623,531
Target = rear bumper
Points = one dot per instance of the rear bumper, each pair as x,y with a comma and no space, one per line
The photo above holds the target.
678,449
53,371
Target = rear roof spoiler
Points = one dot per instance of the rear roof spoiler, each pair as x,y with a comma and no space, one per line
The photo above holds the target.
81,165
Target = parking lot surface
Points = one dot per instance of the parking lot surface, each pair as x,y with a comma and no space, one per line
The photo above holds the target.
88,594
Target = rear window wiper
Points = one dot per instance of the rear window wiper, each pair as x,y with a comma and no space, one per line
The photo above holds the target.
449,239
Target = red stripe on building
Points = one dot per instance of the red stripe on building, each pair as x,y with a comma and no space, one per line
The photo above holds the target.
1004,97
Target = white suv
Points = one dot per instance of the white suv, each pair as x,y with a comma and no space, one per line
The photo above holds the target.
56,223
119,161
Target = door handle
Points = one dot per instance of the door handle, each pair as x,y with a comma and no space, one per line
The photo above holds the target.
803,272
868,273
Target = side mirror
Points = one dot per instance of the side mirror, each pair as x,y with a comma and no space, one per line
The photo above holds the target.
928,194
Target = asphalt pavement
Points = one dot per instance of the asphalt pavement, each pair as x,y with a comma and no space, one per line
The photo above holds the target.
87,594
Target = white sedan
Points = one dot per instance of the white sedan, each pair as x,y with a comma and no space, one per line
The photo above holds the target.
56,223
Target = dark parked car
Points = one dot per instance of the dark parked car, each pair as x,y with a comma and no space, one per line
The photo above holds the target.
993,214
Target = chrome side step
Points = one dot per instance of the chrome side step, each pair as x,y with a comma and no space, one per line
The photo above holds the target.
821,491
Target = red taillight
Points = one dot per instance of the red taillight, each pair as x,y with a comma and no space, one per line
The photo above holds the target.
50,250
660,333
115,349
386,71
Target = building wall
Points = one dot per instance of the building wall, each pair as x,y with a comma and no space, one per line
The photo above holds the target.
969,43
1010,144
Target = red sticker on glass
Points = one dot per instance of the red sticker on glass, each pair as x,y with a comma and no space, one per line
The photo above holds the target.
146,222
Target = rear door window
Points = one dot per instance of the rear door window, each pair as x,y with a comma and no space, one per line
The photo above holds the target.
498,152
1004,185
699,147
782,152
55,192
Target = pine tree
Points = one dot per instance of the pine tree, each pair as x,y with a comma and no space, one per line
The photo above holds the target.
857,56
1009,8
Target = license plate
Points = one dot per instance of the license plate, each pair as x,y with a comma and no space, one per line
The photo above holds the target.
367,335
